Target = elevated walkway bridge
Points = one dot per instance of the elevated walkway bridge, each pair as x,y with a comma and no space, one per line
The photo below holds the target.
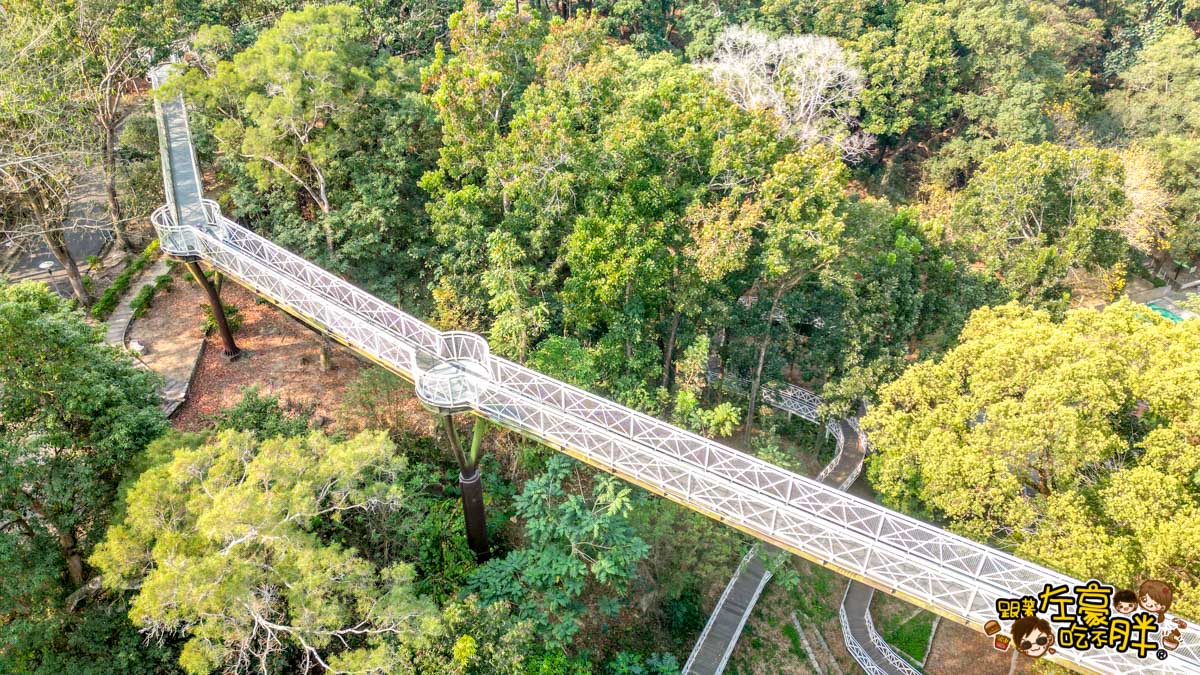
455,371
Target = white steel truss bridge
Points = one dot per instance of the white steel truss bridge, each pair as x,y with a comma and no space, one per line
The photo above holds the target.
454,371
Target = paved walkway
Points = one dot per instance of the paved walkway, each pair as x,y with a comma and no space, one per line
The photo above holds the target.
174,357
725,624
87,234
873,654
724,627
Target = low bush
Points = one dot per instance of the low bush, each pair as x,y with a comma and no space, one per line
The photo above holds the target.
233,316
112,295
145,296
141,301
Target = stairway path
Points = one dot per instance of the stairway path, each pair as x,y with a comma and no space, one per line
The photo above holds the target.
175,361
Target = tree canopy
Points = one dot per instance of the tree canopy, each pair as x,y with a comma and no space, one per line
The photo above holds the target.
1075,443
221,543
73,415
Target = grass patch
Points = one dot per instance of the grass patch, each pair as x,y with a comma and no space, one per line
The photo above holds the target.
793,637
912,636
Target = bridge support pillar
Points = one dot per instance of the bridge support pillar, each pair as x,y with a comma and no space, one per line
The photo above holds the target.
470,482
230,347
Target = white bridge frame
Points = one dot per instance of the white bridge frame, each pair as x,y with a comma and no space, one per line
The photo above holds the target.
955,577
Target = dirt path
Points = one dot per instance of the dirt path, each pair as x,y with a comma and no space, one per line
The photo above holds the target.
957,649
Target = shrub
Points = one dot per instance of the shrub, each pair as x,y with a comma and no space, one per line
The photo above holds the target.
265,416
233,316
145,295
108,300
375,399
141,301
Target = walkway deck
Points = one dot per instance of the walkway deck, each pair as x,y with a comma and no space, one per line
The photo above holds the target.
725,624
455,371
873,654
711,653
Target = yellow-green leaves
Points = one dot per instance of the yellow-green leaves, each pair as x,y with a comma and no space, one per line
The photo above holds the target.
1076,443
222,543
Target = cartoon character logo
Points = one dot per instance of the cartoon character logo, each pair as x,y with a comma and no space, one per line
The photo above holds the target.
1125,601
1032,636
1155,597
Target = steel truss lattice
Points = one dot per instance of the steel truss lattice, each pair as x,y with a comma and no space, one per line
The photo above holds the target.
951,575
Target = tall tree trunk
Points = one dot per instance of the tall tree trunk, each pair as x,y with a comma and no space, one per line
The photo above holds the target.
68,544
669,352
765,342
231,349
470,482
110,189
326,355
57,243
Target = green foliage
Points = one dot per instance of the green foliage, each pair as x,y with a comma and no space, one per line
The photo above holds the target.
472,638
323,136
73,413
264,416
375,399
520,320
910,636
112,295
1034,213
911,72
793,637
574,544
145,295
211,539
141,301
139,175
626,663
719,421
566,359
1070,443
1160,91
233,317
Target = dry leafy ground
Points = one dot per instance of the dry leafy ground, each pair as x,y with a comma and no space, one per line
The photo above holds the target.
282,357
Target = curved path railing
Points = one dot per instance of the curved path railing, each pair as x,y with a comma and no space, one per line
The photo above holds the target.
948,574
862,641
